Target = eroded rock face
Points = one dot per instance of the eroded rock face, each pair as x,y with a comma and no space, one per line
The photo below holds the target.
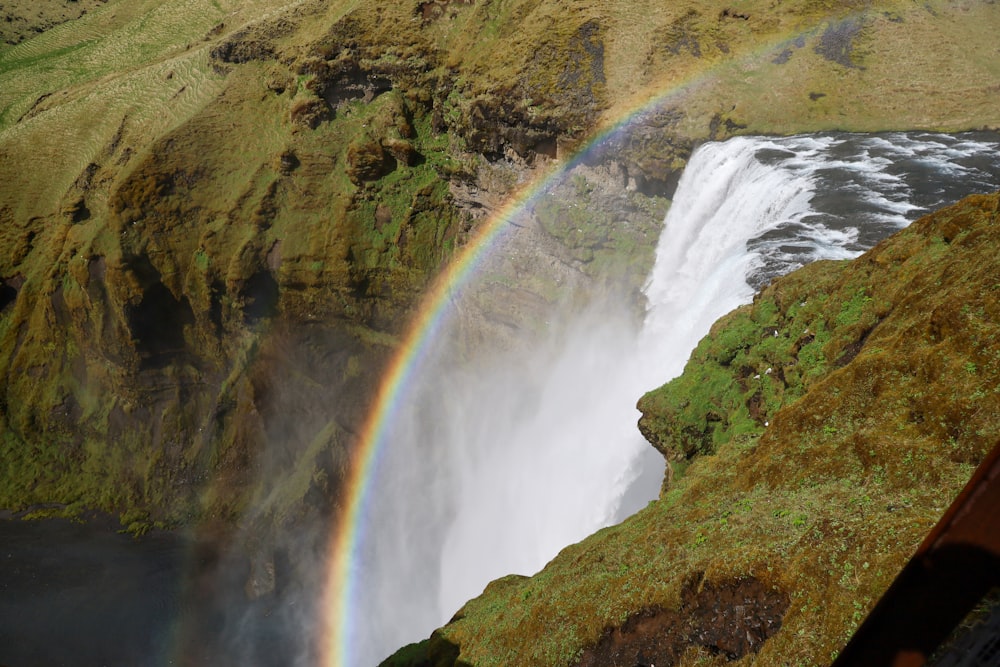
252,44
729,619
8,290
368,161
562,89
434,10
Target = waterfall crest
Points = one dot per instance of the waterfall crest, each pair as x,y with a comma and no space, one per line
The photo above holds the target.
493,467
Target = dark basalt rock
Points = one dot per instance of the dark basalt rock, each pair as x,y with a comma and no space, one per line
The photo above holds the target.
348,64
243,47
309,113
731,619
683,35
344,80
259,296
158,319
497,123
77,211
288,162
255,43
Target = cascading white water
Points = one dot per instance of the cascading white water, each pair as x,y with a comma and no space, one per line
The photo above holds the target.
725,198
496,466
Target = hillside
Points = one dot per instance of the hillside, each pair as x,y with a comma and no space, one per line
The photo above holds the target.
216,216
24,19
815,437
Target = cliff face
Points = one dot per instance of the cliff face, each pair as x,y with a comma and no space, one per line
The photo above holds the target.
216,216
815,436
215,224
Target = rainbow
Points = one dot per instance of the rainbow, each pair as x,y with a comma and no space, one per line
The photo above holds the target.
339,588
432,313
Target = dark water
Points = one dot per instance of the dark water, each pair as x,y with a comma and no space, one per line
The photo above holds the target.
75,594
865,187
84,595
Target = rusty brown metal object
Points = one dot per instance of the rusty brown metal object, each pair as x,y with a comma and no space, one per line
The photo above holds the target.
953,569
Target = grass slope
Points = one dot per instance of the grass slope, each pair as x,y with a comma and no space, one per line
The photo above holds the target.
25,19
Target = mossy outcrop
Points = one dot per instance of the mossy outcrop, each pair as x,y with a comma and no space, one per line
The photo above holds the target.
816,435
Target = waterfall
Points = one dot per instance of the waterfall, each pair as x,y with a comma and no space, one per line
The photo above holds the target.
495,467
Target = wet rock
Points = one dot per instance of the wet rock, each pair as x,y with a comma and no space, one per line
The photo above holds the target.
653,152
